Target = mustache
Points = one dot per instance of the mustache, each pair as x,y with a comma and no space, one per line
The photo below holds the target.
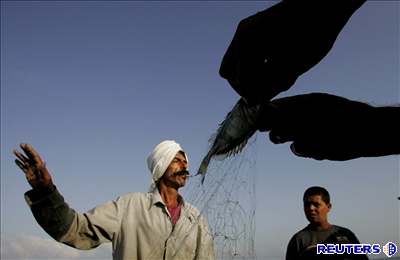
183,172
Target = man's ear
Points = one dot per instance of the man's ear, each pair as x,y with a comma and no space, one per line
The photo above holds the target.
329,206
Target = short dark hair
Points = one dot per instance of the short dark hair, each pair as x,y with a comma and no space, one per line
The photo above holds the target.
316,190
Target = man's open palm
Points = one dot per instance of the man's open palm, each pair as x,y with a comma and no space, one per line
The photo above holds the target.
34,168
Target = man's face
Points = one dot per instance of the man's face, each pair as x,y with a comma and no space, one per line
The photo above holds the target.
316,210
176,173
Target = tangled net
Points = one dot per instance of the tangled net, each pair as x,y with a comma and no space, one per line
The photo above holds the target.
228,202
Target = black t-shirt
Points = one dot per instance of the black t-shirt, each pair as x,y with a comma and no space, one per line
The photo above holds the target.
303,244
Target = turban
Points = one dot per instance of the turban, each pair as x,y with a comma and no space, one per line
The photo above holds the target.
160,158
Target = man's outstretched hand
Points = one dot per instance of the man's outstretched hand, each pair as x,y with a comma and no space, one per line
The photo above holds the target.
34,168
324,126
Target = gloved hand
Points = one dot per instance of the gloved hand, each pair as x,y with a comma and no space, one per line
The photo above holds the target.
272,48
324,126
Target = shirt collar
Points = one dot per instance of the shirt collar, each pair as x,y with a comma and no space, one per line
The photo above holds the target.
156,198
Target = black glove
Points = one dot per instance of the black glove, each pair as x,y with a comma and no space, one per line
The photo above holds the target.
272,48
324,126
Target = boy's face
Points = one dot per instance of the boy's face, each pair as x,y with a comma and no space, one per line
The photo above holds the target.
316,210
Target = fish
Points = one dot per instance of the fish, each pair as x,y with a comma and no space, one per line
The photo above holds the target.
231,137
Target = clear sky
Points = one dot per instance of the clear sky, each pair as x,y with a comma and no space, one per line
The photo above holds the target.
94,86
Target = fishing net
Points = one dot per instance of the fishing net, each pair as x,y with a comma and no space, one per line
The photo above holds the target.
228,202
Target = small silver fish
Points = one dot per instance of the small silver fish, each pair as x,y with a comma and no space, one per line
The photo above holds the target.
233,133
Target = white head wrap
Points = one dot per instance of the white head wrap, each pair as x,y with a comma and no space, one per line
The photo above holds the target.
160,158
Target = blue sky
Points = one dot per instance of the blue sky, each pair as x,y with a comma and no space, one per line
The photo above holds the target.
94,86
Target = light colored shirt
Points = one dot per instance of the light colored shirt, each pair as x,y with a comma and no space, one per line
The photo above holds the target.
138,225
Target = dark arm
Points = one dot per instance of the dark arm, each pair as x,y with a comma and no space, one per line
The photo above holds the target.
82,231
51,212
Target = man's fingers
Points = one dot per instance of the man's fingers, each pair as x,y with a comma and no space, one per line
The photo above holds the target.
269,117
29,174
31,153
298,149
322,151
280,136
20,156
21,165
307,150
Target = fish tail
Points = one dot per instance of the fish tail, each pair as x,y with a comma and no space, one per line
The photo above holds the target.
203,167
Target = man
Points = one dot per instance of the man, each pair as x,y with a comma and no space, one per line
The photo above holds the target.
154,225
303,244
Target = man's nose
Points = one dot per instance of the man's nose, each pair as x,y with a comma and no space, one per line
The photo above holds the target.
309,207
183,165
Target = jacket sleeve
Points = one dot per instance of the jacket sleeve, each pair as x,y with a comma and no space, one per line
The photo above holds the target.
82,231
205,245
